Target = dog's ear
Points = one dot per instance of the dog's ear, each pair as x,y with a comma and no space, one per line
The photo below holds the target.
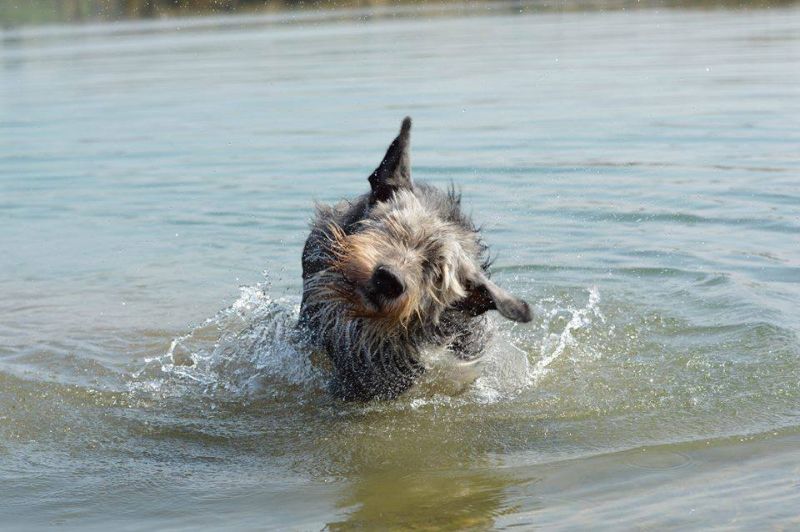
483,295
394,172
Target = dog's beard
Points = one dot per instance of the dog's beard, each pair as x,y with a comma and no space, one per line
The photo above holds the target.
354,258
332,290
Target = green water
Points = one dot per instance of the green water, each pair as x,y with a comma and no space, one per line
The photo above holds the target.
635,172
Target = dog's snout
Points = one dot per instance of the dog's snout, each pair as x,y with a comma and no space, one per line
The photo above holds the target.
387,283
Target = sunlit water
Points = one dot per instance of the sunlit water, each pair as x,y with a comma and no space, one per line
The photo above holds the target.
635,172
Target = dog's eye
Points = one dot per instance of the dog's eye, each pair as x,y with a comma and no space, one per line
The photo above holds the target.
440,276
432,271
427,267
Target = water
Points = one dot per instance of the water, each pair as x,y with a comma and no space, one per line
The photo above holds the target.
636,173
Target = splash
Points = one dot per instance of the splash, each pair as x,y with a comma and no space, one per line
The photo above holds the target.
556,344
252,351
509,368
246,352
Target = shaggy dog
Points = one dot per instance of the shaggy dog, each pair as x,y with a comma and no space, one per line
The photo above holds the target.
393,272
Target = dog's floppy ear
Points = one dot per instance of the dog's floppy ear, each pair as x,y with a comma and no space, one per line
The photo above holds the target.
394,172
483,295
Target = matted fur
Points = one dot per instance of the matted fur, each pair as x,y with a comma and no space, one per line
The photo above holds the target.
420,233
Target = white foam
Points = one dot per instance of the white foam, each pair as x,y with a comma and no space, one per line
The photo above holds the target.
252,349
248,350
553,349
509,369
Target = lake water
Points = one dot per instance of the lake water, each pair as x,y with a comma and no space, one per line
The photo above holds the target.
636,173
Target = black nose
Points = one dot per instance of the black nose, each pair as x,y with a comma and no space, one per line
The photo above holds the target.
386,283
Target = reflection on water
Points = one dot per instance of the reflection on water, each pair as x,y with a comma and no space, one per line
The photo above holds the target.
634,171
428,499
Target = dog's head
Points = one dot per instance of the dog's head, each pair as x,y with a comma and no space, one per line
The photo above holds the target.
414,255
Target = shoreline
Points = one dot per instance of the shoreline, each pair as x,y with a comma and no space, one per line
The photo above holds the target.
53,12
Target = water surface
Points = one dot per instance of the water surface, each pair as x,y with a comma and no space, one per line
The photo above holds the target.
636,173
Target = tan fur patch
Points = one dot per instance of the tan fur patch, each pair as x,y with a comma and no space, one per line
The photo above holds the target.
401,234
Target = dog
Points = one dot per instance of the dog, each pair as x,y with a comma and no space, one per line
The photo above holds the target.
393,272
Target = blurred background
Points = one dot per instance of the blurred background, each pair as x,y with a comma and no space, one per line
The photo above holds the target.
49,11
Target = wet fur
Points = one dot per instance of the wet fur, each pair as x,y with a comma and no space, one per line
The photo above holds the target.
374,339
377,354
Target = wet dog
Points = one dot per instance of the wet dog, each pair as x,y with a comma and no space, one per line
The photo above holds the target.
396,271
